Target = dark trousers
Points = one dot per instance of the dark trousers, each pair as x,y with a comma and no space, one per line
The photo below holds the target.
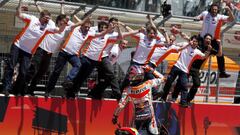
23,58
39,66
220,59
106,71
183,81
86,69
125,81
156,93
106,78
97,92
62,59
143,126
194,73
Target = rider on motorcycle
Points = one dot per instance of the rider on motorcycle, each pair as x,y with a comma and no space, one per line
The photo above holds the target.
139,92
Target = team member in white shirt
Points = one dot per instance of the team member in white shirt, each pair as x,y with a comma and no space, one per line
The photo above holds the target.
161,52
194,71
48,44
181,69
212,23
95,55
21,49
147,41
114,53
70,52
116,50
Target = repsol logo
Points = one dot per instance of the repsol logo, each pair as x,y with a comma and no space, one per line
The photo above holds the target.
204,76
138,91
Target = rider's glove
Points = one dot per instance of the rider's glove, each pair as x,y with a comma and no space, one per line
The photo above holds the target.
115,119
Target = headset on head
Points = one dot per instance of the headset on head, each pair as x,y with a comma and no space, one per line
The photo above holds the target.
214,4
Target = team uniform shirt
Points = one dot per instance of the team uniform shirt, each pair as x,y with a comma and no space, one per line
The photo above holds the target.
141,97
31,33
76,40
160,53
212,25
186,58
144,48
51,42
198,64
111,39
114,53
100,47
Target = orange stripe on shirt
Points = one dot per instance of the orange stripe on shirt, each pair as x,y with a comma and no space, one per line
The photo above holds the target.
217,33
27,21
108,42
151,53
40,41
165,55
196,57
84,42
67,39
86,49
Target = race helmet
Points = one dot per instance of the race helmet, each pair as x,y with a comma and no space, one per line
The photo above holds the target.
126,131
136,73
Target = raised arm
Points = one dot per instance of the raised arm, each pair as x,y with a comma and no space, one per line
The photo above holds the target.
120,35
110,28
76,18
62,11
165,34
19,13
81,22
184,47
128,29
159,77
19,10
208,52
183,35
125,34
59,29
230,14
38,7
151,22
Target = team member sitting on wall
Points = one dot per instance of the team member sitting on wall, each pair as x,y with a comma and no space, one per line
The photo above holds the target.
21,49
212,22
181,69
